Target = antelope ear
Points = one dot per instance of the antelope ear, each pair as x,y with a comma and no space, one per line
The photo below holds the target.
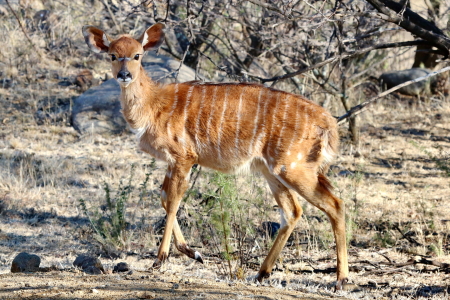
96,39
153,37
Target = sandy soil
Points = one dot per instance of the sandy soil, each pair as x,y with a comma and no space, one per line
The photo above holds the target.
139,285
399,184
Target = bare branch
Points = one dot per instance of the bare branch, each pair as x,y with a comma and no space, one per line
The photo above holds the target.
38,51
344,56
412,22
359,108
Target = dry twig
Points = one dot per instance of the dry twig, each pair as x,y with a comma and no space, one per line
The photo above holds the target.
360,108
38,51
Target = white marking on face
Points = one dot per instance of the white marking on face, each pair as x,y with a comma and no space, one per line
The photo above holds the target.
219,136
293,165
238,123
299,156
255,125
124,82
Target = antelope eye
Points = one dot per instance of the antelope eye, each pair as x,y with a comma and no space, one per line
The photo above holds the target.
136,57
113,57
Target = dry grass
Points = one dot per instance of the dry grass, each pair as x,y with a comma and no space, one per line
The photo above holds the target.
390,182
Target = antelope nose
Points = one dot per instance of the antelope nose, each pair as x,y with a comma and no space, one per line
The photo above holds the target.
124,75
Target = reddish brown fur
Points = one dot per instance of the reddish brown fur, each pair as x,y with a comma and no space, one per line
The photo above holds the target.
230,127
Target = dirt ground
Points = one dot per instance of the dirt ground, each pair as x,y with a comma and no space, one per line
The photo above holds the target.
139,285
399,184
395,186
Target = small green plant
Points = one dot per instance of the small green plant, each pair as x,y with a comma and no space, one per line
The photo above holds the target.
225,219
442,161
109,220
385,239
226,197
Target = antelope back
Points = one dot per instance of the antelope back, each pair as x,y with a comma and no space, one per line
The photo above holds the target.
230,125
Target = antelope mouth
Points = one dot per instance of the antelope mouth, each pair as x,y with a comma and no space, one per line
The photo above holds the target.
124,82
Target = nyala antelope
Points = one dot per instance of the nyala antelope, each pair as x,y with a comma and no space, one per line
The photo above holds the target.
228,127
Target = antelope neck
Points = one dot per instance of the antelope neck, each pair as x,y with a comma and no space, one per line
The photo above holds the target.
139,101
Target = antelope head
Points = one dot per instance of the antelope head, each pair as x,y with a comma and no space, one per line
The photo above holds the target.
125,52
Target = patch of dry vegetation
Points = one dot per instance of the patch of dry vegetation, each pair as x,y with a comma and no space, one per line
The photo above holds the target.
397,197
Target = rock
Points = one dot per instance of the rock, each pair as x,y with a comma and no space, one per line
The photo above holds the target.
90,265
351,287
301,267
25,262
391,79
92,270
98,109
121,267
270,228
146,295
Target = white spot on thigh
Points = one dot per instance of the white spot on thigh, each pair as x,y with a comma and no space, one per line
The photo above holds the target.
289,152
293,165
283,221
139,132
299,156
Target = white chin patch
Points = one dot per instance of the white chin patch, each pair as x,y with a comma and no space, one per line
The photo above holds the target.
125,82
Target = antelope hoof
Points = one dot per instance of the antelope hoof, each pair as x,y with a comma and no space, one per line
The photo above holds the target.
262,275
183,248
198,257
159,261
157,264
340,284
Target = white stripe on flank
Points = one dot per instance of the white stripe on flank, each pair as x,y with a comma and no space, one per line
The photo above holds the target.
286,99
188,100
219,134
211,115
264,117
297,124
174,105
274,118
255,126
238,123
199,115
306,127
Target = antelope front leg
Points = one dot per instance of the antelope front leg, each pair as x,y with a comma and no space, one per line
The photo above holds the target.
173,188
